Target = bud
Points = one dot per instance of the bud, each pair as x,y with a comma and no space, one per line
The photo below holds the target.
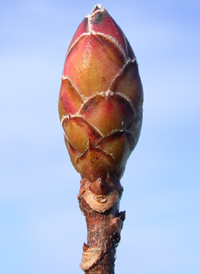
101,97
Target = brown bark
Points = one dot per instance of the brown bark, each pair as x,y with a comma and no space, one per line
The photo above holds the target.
99,201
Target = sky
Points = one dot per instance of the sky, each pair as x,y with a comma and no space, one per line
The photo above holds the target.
41,227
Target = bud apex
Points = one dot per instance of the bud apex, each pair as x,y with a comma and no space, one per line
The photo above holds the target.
101,97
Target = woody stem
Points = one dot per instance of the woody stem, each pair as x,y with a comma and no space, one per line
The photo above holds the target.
99,201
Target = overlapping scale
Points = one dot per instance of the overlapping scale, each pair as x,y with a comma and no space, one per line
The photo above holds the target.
84,64
79,132
107,112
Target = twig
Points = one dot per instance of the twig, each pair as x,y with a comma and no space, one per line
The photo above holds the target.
99,201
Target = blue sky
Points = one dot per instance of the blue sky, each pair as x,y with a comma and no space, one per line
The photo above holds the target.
41,227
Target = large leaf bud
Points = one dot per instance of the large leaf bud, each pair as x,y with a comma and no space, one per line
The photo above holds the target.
101,97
